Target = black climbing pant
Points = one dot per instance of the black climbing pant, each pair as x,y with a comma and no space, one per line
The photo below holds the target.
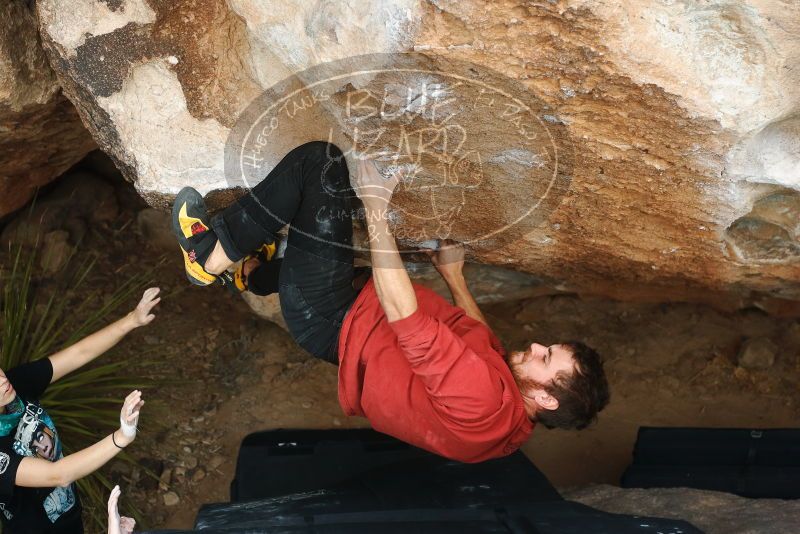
310,191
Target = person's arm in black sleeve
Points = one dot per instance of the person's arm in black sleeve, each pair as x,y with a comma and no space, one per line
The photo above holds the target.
9,463
30,380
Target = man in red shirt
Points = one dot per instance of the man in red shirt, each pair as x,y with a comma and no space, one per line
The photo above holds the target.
420,369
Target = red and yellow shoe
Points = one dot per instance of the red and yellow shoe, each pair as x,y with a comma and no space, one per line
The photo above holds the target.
195,237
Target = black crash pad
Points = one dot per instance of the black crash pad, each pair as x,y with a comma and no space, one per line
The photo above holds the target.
754,463
360,481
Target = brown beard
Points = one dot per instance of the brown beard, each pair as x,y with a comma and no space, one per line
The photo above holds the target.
524,384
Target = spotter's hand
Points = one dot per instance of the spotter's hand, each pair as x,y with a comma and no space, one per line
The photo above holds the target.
142,314
129,417
117,524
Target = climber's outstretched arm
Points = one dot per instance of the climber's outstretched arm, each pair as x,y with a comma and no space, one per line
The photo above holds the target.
389,275
90,347
449,261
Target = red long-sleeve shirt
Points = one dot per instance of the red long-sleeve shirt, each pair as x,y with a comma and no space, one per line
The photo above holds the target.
436,379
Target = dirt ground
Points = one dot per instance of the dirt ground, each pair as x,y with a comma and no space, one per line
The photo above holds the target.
227,373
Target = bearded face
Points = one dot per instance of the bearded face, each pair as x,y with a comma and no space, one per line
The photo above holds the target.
536,368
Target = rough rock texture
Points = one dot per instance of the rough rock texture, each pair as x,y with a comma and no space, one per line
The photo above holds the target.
40,133
711,511
487,283
635,149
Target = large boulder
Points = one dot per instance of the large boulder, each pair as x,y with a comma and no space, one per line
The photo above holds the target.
41,134
633,149
713,512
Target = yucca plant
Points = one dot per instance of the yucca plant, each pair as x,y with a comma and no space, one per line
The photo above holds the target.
86,403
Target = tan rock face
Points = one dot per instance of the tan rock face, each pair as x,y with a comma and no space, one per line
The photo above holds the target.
635,149
41,134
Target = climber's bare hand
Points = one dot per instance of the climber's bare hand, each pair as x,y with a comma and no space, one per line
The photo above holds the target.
448,258
374,190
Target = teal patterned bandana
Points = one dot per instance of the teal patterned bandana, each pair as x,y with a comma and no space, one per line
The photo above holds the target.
10,419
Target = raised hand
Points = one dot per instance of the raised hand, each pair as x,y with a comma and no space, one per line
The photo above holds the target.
113,512
129,417
117,524
142,314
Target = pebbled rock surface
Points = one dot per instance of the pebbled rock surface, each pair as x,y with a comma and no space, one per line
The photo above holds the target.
675,123
41,135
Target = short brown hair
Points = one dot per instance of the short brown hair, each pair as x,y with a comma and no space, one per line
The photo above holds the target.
581,394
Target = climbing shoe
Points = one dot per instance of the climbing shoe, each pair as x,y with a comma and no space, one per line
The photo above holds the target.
195,237
241,282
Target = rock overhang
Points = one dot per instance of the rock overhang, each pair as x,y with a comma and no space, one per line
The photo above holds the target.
664,134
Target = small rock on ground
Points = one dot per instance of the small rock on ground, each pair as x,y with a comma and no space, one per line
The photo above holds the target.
757,354
171,498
